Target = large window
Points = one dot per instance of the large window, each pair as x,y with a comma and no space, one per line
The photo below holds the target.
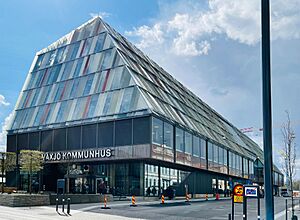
141,127
246,167
89,136
46,141
216,153
221,155
210,151
203,148
157,131
179,139
251,169
22,141
74,138
59,139
188,143
105,134
123,132
168,135
196,146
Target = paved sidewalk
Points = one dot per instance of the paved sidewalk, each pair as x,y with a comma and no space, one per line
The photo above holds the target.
49,213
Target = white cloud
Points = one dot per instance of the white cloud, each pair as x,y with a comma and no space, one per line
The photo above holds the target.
149,35
5,125
102,14
3,101
191,31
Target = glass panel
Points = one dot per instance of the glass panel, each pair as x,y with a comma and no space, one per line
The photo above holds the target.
196,146
74,88
188,143
105,134
221,155
59,139
39,115
141,130
38,62
78,67
210,151
89,136
94,63
73,138
127,96
179,140
203,148
216,153
123,132
99,43
59,92
87,46
107,103
107,59
78,108
93,105
72,51
157,131
68,70
225,157
60,55
88,85
168,135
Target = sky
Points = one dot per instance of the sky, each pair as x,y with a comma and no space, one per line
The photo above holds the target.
212,46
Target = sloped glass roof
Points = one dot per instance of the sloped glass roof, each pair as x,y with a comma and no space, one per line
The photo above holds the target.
94,73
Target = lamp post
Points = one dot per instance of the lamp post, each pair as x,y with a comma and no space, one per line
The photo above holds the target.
267,112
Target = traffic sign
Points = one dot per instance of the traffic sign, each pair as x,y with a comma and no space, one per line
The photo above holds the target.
237,199
238,193
251,191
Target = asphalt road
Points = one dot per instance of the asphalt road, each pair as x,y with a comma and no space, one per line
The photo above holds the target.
120,210
195,210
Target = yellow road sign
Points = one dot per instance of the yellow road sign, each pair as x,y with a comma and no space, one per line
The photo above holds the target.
238,199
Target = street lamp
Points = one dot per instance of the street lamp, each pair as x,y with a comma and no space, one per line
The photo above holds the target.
267,112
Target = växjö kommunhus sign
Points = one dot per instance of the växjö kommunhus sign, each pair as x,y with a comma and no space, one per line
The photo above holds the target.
77,155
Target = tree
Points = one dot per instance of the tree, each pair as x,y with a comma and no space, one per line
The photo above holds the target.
8,163
288,153
31,161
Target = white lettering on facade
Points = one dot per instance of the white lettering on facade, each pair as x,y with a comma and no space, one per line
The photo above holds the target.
73,155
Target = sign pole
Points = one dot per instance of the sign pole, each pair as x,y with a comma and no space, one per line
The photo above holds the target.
244,208
232,207
258,207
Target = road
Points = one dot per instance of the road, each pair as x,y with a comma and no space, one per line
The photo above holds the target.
171,210
196,210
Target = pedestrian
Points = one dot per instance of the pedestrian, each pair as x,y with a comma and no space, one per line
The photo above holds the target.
154,191
148,191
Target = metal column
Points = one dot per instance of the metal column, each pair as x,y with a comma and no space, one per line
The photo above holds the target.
267,113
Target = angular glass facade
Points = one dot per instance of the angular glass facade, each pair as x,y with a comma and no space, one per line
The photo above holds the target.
93,92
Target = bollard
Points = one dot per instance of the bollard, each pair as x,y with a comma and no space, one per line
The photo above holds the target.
56,204
63,205
187,198
133,201
206,196
105,203
68,206
229,216
162,199
286,210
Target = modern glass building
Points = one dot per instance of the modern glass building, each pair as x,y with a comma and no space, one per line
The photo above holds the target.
107,116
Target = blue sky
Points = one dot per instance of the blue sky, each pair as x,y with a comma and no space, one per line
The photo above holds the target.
212,47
